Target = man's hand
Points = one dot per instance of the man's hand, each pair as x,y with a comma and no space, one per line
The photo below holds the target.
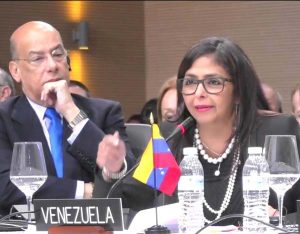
88,190
111,153
56,94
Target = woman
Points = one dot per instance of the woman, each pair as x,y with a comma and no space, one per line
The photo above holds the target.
219,88
167,100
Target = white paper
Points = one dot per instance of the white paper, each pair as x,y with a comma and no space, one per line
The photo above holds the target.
167,217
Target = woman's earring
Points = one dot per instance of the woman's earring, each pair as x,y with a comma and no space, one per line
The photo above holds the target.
237,115
236,108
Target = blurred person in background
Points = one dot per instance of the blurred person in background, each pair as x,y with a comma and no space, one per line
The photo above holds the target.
75,86
135,118
149,107
79,88
295,98
7,86
167,100
273,97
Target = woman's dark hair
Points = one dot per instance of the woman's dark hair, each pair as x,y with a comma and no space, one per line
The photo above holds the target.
246,83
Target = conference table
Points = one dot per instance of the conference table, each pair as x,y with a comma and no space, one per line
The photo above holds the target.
167,216
32,230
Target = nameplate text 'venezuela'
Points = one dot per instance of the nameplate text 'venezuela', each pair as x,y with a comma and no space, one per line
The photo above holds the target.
105,212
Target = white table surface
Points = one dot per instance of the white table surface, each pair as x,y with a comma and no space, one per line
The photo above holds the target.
167,216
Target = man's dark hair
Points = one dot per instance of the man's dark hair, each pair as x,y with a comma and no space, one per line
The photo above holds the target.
81,85
149,107
135,118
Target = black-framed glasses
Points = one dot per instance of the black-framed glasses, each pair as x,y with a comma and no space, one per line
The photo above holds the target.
38,59
212,85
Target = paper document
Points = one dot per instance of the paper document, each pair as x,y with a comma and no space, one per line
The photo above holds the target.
167,217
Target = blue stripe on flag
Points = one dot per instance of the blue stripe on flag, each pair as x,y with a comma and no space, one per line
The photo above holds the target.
160,174
160,146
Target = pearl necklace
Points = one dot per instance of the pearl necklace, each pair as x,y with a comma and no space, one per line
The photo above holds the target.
207,157
229,190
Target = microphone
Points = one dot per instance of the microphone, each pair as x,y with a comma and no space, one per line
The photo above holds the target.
180,129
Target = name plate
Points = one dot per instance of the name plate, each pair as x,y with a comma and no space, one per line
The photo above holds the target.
105,212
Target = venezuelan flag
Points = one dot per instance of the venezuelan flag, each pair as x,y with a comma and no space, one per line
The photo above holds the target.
157,160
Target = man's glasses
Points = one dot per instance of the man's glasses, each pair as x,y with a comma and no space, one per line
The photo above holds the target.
38,59
212,85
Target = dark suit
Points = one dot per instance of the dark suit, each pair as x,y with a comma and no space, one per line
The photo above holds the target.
138,196
19,122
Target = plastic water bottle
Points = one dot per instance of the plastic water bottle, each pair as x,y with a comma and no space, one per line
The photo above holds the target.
190,192
256,175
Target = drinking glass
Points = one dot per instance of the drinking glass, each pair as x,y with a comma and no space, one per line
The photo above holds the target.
282,155
28,169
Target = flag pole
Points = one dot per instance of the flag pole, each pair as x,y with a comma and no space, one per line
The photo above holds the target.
156,229
155,190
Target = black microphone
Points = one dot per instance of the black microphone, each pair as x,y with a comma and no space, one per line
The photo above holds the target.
180,129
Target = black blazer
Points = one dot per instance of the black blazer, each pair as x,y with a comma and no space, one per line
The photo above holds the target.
137,196
19,122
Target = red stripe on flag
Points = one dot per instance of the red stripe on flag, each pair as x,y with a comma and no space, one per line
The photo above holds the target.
170,181
164,160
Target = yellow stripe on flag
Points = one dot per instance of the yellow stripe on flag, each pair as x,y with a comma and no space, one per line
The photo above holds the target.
155,132
143,171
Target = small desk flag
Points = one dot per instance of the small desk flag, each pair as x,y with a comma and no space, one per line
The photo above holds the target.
165,166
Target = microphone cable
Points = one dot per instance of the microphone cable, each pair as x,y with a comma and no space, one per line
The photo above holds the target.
112,188
13,226
6,224
6,217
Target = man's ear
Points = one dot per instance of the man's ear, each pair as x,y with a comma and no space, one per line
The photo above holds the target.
14,71
5,93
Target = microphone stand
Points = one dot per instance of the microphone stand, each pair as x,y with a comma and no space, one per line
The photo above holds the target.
156,229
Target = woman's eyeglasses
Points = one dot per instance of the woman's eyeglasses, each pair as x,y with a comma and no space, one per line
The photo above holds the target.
212,85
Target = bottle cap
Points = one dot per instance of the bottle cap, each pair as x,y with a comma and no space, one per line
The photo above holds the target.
254,150
190,150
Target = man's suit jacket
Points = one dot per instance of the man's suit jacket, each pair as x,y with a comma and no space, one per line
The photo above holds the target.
19,122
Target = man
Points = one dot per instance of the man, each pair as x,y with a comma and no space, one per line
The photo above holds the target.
7,87
79,88
295,96
273,98
39,63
